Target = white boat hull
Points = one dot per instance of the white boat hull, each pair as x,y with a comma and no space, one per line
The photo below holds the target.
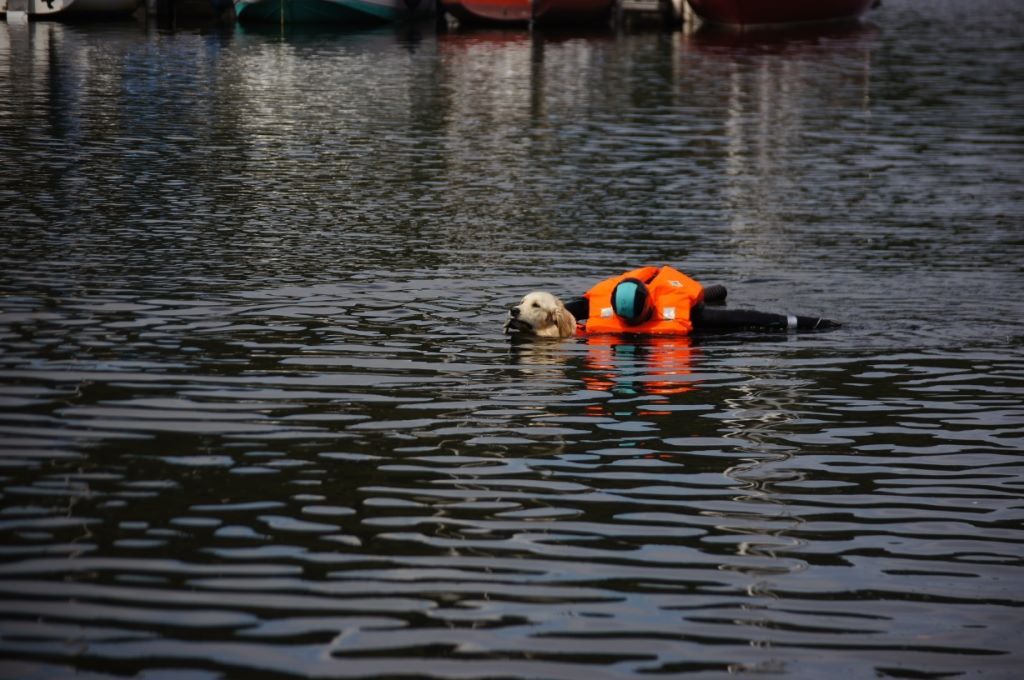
43,8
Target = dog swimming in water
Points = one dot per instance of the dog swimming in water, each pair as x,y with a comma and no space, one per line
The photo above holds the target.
646,301
541,314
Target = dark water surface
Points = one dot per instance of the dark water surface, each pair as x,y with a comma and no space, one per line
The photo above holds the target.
258,417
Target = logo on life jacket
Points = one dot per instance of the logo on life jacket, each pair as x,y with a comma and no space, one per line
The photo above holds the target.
662,307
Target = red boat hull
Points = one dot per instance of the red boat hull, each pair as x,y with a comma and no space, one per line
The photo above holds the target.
755,12
489,11
519,11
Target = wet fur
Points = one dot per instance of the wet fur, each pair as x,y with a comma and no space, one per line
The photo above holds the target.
541,314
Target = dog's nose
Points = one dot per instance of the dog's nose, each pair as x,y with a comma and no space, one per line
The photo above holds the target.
513,312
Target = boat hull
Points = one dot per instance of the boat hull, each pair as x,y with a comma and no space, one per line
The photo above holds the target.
563,12
336,11
489,11
761,12
76,8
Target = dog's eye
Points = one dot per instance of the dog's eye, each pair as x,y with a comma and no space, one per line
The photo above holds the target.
536,304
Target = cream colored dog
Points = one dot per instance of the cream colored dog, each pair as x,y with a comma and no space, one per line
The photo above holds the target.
541,314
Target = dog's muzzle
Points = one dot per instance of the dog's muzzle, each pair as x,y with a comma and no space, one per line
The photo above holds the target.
513,324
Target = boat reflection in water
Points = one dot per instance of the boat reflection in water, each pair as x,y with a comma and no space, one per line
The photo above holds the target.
497,83
785,98
827,39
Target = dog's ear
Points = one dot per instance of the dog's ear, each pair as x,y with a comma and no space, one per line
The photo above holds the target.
565,321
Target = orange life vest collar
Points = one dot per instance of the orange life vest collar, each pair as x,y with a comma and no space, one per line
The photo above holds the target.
673,295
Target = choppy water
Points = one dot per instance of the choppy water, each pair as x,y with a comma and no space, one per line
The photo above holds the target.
258,417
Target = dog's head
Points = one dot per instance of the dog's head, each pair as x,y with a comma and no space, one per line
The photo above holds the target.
541,314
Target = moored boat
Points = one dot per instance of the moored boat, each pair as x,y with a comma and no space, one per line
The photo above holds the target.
489,11
761,12
522,11
339,11
70,8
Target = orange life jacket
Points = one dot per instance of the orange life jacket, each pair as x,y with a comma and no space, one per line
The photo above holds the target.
673,295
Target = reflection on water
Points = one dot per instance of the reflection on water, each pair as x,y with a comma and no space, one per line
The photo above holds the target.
257,414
